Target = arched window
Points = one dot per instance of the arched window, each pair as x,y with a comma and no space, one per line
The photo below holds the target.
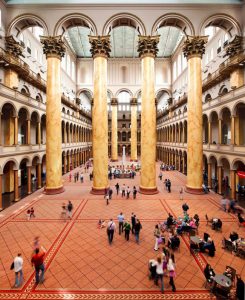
25,91
207,98
124,97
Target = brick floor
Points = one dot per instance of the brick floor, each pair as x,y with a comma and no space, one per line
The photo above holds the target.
80,262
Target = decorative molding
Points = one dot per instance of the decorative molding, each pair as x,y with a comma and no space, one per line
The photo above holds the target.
114,101
194,46
100,45
53,46
147,45
13,47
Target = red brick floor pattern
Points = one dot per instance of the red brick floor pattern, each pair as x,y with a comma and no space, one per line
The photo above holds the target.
81,265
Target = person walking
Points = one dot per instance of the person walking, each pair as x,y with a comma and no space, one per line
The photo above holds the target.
181,193
171,270
38,262
127,229
110,192
159,271
120,219
107,197
128,192
81,177
185,208
117,188
70,176
137,228
18,265
166,183
160,175
123,190
134,192
69,209
169,185
157,234
133,221
111,228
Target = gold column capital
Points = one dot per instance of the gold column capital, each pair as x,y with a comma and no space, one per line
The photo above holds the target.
147,45
53,46
194,46
133,101
114,101
234,46
13,47
100,45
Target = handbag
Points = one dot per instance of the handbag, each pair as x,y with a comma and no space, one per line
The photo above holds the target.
12,266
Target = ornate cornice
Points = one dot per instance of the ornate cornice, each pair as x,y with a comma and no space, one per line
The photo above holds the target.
114,101
194,46
133,101
234,46
13,47
53,46
147,45
100,45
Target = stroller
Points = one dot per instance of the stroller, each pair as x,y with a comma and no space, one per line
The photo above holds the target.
152,269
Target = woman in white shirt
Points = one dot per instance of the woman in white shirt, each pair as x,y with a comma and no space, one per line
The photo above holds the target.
159,271
171,270
18,264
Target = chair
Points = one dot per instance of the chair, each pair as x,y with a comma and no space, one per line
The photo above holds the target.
233,274
208,220
228,245
240,252
192,232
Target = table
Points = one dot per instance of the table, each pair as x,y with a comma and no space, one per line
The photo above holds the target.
222,280
195,240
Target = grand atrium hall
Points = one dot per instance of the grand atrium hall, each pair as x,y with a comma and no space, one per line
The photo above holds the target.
122,149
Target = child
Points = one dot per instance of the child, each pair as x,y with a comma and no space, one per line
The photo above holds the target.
32,213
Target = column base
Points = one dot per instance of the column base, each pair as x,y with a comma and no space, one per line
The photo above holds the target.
114,160
16,200
98,191
51,191
196,191
134,160
148,191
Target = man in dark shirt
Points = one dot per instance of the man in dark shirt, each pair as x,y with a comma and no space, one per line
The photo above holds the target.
38,262
133,221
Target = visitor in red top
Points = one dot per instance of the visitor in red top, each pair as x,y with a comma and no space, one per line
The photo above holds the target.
38,262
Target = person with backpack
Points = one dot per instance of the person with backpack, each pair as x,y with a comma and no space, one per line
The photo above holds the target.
127,228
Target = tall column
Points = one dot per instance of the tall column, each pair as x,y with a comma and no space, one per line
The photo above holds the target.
114,154
28,131
54,48
233,184
133,103
16,186
147,49
69,162
100,48
219,179
219,131
233,130
28,179
209,132
39,133
39,175
210,175
16,130
194,48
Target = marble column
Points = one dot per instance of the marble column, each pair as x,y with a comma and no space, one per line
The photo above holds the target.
233,130
100,49
219,179
133,104
16,130
39,133
1,198
209,132
16,186
194,48
28,131
233,184
220,131
114,144
209,175
54,48
39,175
28,180
147,48
65,164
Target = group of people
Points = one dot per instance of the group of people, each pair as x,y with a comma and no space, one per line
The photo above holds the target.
165,167
124,225
30,214
67,209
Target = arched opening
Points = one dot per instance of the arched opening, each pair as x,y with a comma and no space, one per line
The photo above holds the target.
34,173
205,169
185,131
43,129
239,181
214,173
23,177
239,124
223,90
8,183
23,126
8,124
207,98
226,126
225,189
25,91
205,128
214,132
34,128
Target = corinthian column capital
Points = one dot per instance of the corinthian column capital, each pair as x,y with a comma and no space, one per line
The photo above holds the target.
13,47
234,46
53,46
114,101
194,46
100,45
147,45
133,101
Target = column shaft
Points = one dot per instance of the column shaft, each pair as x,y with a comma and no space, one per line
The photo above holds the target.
16,130
28,180
233,184
39,176
28,132
16,186
133,131
220,179
210,175
39,133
